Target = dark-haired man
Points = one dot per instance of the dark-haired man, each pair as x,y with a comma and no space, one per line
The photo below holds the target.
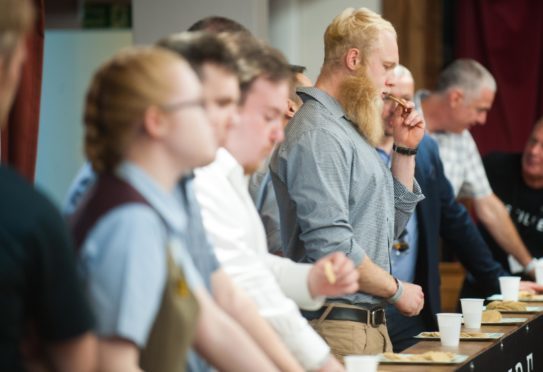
217,24
260,183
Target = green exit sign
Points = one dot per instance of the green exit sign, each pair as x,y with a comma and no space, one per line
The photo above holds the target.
100,15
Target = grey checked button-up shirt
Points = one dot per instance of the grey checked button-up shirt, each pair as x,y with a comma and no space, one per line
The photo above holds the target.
333,190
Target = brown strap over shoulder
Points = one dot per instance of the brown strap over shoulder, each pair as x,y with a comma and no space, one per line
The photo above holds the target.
107,193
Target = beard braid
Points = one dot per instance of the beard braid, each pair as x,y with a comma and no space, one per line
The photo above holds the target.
363,105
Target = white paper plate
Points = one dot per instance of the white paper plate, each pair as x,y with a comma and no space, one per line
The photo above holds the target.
499,297
529,309
487,336
505,321
458,358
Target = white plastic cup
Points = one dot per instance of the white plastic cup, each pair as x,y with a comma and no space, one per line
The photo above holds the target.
358,363
472,311
539,272
509,286
449,328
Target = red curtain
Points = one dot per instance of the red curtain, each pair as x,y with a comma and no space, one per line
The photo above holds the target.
506,37
20,136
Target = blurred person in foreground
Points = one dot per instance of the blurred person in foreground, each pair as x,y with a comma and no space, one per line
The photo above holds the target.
145,127
217,69
45,320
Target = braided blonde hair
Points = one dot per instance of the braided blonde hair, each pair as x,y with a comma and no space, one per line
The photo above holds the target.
121,91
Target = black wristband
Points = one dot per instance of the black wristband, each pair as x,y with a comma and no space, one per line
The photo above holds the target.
404,150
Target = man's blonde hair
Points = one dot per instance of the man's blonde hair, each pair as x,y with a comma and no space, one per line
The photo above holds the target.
353,28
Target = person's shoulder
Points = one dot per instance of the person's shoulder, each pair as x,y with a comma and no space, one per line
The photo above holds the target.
127,232
428,148
317,111
23,201
32,219
310,115
13,184
428,143
132,219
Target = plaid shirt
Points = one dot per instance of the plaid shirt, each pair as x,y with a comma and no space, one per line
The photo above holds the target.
461,161
334,192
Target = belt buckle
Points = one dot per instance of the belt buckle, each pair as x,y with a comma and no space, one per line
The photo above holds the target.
377,317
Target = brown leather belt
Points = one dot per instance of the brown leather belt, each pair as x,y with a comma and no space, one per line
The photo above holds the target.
373,316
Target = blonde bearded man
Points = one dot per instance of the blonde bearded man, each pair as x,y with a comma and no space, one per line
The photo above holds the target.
334,192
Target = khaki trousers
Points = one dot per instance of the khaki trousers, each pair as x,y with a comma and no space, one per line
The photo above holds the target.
352,338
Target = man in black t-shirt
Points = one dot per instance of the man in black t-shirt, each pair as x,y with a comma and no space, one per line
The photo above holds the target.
44,318
517,179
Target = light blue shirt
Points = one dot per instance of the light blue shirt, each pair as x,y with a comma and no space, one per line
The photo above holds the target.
404,263
124,259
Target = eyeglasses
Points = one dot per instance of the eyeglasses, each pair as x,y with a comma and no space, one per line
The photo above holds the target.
171,107
401,245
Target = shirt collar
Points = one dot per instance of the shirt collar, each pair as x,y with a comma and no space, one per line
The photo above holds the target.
166,204
329,102
386,157
228,165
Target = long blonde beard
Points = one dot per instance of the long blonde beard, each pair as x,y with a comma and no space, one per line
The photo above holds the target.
363,106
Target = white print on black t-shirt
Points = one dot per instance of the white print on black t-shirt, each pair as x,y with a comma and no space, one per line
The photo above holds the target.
525,218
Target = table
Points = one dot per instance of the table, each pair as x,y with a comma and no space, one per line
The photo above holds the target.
519,350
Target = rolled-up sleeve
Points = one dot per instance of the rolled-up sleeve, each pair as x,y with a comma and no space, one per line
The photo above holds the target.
405,202
318,167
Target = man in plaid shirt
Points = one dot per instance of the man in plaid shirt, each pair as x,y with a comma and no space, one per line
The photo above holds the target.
464,94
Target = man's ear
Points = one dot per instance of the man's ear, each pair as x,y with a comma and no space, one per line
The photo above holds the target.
292,108
456,97
352,59
153,122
